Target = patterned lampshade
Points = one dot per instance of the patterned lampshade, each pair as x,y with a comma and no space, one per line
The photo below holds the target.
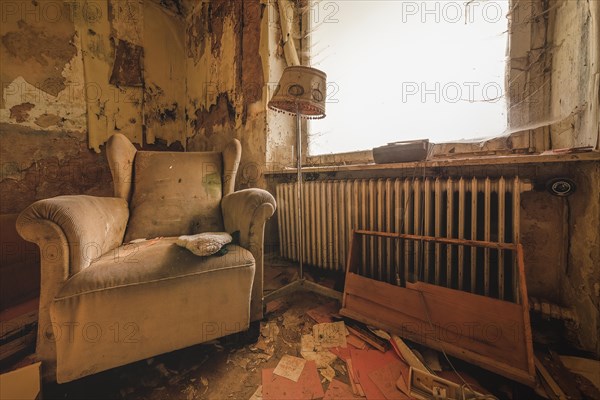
303,90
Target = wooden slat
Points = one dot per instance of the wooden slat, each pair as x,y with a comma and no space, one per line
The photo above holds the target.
524,301
442,240
475,328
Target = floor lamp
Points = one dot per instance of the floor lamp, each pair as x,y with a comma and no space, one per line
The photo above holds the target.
301,92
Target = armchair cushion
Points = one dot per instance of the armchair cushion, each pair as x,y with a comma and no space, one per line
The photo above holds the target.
175,194
147,262
145,299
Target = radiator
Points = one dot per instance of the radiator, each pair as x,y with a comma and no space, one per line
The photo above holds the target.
482,209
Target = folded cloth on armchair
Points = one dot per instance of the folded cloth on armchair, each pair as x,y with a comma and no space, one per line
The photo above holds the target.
204,244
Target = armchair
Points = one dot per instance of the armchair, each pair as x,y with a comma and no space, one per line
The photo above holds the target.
108,299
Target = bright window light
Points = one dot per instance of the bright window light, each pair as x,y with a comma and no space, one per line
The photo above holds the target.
402,70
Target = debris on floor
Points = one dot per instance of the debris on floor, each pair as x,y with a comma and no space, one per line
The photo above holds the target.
295,338
277,387
290,367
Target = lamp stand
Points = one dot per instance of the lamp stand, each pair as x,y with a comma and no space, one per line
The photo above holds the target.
301,283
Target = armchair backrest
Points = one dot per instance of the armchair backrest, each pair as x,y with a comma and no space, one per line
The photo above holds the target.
171,193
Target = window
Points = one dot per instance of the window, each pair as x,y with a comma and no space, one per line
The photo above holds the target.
402,70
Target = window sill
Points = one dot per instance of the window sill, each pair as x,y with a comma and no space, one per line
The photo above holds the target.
453,162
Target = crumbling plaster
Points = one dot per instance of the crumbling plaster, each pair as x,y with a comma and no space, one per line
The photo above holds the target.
553,79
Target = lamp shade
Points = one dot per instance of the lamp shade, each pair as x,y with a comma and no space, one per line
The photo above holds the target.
301,90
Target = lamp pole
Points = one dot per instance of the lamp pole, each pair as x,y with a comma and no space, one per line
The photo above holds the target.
299,197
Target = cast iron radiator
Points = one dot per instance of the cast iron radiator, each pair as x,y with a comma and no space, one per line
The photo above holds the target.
464,208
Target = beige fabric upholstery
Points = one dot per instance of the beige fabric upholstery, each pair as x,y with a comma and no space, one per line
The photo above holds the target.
247,211
66,229
231,161
104,304
175,194
120,153
144,299
92,225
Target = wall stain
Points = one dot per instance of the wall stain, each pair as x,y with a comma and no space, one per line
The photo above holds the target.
20,112
49,51
47,120
220,114
127,68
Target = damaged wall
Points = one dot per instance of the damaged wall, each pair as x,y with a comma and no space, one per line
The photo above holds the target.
232,62
43,138
553,76
74,73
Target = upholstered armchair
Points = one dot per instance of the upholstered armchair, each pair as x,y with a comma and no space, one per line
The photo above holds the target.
109,297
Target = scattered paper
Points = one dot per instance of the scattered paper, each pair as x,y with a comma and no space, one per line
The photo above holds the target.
307,343
310,352
328,373
257,394
308,385
290,367
330,334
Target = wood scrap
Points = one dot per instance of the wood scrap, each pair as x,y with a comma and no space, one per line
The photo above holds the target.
364,334
366,361
356,387
405,311
553,390
588,368
338,390
385,379
406,353
564,378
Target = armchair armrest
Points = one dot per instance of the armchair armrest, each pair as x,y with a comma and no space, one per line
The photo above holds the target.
70,231
247,211
91,225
